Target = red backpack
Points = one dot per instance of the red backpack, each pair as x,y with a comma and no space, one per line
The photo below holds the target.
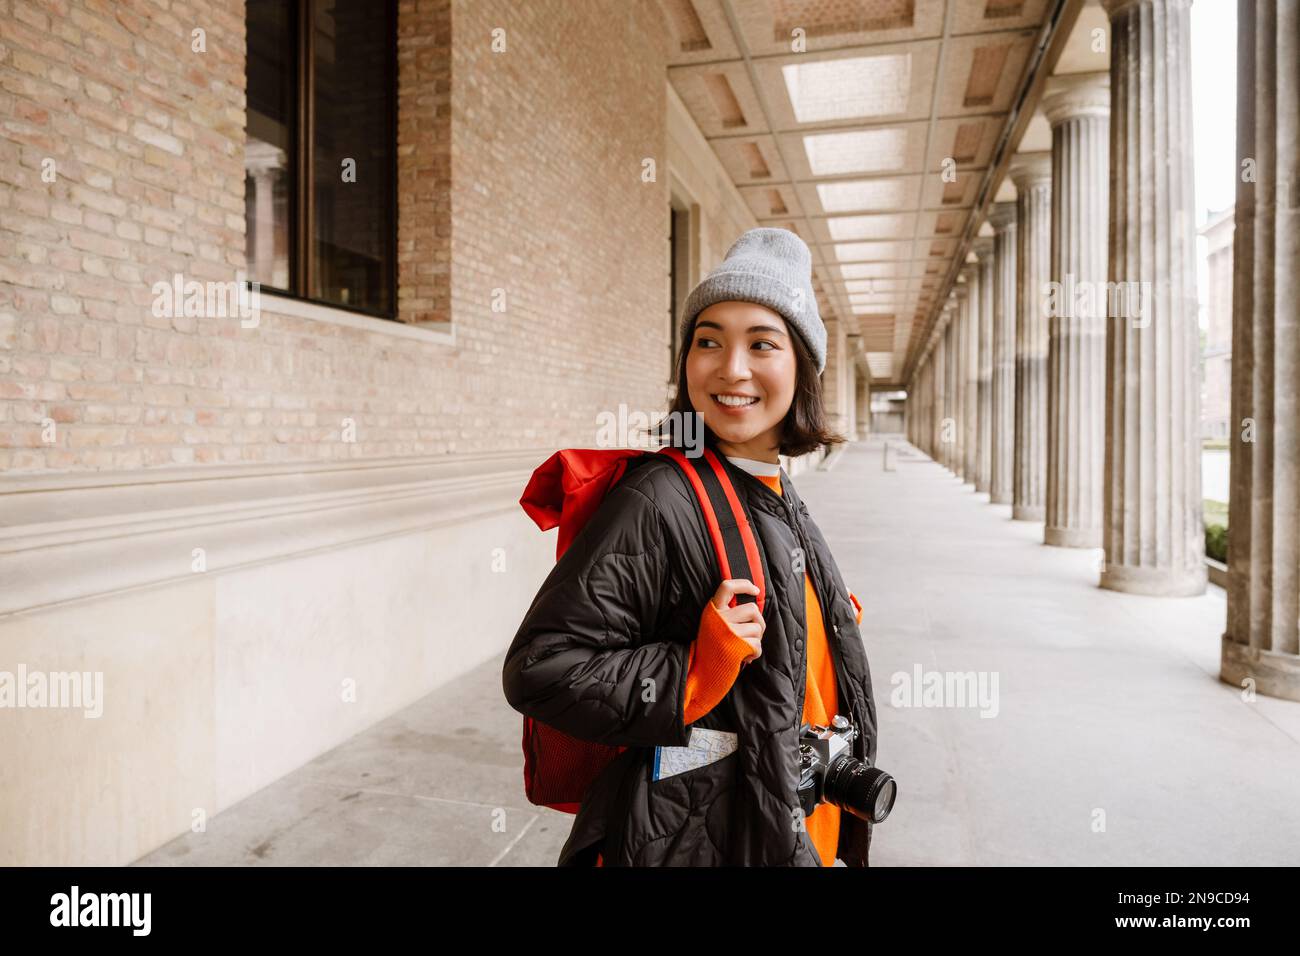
566,490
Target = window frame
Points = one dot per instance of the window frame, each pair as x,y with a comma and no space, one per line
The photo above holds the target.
683,265
302,212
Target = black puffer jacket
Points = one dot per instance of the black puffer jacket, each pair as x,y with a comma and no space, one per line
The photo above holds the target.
602,655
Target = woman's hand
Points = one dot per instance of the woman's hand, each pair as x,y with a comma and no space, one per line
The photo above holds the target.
745,619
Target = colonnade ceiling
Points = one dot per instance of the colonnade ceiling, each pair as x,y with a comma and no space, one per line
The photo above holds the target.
874,129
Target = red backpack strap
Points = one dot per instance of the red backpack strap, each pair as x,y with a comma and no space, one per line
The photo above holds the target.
729,528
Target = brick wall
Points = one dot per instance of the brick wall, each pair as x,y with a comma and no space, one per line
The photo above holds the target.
424,180
143,140
540,205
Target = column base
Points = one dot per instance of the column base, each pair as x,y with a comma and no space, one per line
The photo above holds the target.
1072,537
1028,512
1274,675
1155,582
981,486
999,499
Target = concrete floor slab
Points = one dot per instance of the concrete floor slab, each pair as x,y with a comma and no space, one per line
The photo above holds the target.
1114,742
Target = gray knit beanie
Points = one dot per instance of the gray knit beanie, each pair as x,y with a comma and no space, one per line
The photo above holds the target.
771,267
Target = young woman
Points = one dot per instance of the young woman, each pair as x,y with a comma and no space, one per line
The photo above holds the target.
632,639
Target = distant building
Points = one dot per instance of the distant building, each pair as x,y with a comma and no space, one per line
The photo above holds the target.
1216,389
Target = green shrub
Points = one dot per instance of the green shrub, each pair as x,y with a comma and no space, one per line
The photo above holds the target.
1216,542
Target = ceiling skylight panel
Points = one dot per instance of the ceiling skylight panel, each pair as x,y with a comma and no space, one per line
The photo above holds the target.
849,88
858,151
861,194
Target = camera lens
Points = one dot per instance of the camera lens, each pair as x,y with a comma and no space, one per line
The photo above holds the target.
864,791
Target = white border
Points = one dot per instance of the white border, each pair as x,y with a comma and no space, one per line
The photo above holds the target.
276,304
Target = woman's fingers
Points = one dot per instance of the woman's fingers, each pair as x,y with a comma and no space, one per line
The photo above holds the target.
745,619
745,614
730,588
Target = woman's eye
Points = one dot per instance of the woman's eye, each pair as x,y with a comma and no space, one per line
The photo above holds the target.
710,343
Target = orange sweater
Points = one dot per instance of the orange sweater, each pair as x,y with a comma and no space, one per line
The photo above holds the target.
717,654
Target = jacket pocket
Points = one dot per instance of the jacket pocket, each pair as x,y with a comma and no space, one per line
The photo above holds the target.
601,817
684,819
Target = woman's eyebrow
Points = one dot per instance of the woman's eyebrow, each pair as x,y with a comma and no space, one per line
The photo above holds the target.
749,331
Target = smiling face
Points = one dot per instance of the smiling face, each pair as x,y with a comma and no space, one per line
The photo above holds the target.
740,376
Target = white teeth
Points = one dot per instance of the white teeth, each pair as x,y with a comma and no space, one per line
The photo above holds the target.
734,400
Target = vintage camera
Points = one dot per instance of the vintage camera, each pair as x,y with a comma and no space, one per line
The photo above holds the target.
829,773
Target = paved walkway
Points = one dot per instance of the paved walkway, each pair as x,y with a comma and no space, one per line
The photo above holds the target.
1113,741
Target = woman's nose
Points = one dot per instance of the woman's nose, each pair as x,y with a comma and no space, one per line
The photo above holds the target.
735,365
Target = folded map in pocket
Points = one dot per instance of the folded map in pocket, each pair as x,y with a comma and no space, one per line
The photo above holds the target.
705,747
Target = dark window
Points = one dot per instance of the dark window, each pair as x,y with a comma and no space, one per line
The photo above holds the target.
320,160
673,308
269,150
679,241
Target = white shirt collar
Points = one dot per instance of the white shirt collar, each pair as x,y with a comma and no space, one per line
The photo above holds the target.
755,467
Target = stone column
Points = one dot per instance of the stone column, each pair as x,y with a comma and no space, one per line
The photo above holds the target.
1078,109
1262,642
1002,216
850,423
917,398
927,400
927,404
983,248
1152,528
917,394
932,405
951,418
970,363
953,335
943,434
1032,175
834,377
263,162
959,388
924,393
939,360
959,371
928,394
910,410
913,406
857,392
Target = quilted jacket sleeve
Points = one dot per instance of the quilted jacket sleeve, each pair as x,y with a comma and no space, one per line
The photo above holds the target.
857,606
587,659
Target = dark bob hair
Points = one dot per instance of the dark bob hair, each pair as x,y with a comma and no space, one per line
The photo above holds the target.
804,428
